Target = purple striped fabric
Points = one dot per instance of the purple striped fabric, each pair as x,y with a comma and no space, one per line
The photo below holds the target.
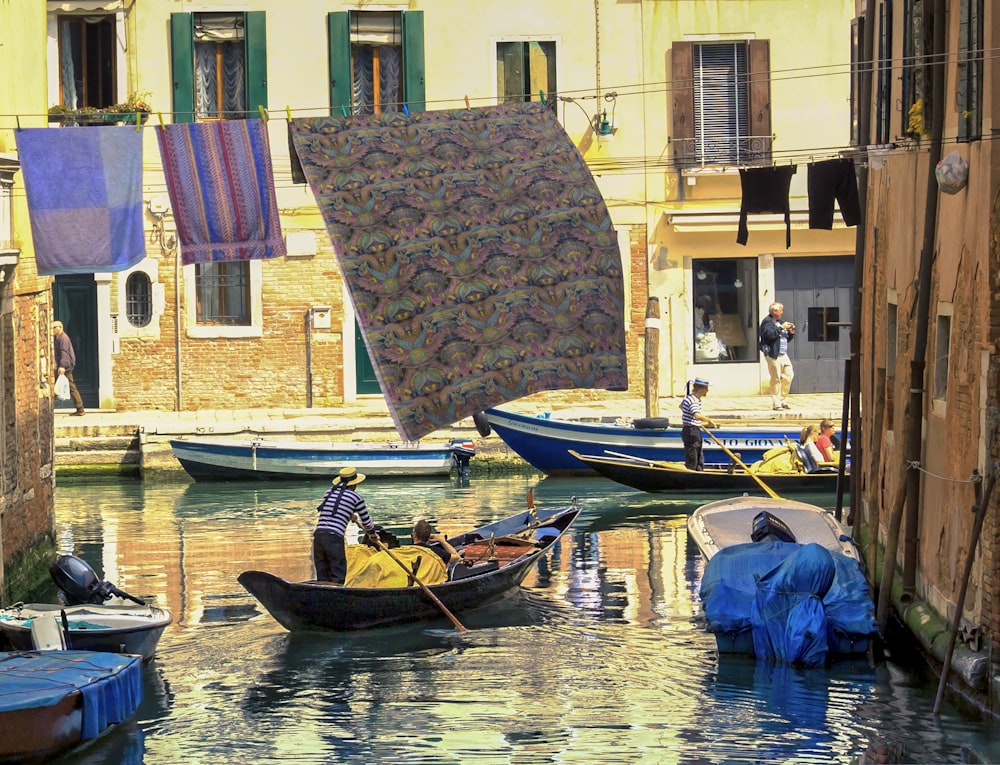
221,188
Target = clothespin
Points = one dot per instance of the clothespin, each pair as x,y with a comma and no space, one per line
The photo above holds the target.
467,102
159,116
406,109
18,118
288,113
263,112
138,122
541,95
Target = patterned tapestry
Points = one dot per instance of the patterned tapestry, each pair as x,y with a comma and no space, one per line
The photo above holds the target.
84,191
221,188
478,252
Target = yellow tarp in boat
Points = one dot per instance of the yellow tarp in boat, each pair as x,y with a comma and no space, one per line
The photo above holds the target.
368,567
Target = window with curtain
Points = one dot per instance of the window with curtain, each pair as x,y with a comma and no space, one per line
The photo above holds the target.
883,97
138,299
376,62
916,82
222,292
87,61
219,63
525,71
721,102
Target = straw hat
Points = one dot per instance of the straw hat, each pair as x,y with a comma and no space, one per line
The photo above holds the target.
348,477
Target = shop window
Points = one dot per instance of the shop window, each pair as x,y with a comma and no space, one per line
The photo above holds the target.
724,309
139,299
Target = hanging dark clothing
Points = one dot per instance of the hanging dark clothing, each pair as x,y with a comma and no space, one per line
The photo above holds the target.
830,180
765,190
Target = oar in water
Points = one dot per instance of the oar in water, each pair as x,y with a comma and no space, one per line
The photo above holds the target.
740,462
437,601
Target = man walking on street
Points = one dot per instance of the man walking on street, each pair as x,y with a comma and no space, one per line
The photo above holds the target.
65,358
774,336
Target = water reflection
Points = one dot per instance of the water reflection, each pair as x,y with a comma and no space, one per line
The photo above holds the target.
602,655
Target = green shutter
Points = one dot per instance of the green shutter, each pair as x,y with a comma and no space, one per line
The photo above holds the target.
413,60
339,52
256,62
182,65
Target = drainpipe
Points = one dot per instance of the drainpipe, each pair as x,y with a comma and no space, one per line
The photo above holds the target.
915,406
309,363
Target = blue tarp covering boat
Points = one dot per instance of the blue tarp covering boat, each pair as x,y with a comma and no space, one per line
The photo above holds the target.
51,701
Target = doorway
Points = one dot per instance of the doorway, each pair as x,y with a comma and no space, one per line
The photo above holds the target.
816,293
74,303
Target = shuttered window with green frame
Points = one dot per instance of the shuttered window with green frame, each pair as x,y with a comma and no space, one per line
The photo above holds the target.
182,60
344,51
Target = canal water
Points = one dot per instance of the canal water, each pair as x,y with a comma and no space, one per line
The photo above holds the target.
601,657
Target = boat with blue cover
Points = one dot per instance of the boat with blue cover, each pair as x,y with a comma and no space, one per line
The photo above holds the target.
783,581
56,701
546,442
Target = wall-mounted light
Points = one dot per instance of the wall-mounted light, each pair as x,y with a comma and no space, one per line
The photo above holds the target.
701,275
738,283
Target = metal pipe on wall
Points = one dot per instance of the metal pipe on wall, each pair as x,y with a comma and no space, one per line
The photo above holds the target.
309,369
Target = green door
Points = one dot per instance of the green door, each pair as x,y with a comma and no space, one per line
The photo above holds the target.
365,378
74,302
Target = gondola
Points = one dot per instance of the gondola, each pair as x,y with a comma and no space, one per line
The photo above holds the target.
658,476
501,554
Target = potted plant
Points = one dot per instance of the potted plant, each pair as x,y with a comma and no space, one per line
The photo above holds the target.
135,104
62,115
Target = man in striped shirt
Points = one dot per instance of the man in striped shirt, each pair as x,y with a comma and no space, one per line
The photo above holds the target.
691,421
339,505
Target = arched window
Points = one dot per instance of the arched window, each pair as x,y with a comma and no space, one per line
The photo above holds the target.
138,299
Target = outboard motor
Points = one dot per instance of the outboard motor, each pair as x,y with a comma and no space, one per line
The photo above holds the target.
79,583
461,452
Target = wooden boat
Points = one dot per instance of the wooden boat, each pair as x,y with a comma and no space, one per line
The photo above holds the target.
56,701
508,547
783,580
114,627
546,442
655,476
224,458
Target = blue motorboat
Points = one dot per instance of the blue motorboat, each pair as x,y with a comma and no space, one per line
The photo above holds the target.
545,442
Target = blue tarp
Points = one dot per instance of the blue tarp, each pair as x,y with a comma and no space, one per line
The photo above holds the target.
793,597
110,683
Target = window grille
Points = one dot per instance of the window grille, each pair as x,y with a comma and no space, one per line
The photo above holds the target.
223,292
138,299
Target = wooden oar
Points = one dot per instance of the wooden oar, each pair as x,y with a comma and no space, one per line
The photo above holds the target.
651,463
740,462
437,601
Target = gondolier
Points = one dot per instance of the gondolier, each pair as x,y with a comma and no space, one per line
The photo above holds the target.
691,421
340,504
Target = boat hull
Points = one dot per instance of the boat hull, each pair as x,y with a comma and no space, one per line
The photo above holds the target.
207,459
125,629
43,713
301,606
545,443
656,478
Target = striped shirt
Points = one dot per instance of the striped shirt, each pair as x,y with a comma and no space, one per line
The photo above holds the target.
690,406
338,507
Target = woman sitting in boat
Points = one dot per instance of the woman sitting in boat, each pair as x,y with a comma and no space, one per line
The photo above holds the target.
810,433
425,536
339,506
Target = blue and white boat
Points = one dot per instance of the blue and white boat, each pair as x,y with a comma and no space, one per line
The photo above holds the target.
545,442
226,458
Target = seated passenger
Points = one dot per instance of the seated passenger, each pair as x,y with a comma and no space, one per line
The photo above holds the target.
808,442
825,442
425,536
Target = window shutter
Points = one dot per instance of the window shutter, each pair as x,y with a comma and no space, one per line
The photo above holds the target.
256,61
413,60
182,65
338,33
682,103
759,92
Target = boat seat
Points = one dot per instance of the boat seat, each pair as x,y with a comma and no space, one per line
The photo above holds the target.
47,633
809,464
458,571
504,549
